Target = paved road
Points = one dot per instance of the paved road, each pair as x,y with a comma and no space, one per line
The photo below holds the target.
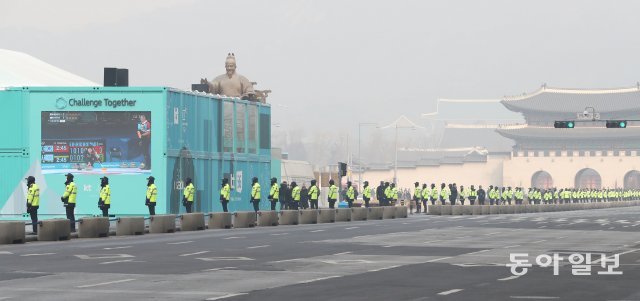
418,258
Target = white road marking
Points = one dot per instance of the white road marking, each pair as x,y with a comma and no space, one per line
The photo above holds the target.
223,258
105,283
619,254
180,242
538,241
450,292
387,246
509,278
256,247
492,233
318,279
116,248
226,296
276,234
382,269
316,231
5,252
350,228
438,259
431,241
219,269
196,253
234,237
477,252
118,261
513,246
104,256
343,253
533,297
542,227
41,254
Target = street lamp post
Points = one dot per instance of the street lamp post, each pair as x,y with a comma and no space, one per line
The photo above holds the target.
359,155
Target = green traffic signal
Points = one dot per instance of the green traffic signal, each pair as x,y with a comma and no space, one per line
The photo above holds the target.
616,124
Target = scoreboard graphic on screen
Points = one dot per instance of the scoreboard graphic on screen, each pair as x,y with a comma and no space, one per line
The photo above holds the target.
71,151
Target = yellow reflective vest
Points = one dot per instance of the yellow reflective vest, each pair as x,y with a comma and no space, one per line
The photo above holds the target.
70,193
274,193
255,191
152,193
225,192
105,195
33,197
189,191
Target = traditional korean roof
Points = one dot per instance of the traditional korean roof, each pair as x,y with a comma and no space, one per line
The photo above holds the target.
562,100
578,133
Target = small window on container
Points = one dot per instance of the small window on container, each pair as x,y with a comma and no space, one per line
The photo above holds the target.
253,129
227,108
241,118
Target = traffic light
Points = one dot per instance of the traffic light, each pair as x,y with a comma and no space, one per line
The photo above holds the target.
564,124
616,124
342,169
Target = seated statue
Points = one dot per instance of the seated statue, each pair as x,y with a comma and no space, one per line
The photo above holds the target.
232,84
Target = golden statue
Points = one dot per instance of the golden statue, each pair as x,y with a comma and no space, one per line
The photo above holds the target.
232,84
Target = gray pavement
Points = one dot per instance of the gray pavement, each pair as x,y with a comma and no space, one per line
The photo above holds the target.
418,258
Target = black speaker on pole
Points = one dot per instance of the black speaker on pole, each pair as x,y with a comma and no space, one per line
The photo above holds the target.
122,78
110,77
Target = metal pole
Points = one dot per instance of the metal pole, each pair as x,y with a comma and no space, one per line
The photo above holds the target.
395,165
359,159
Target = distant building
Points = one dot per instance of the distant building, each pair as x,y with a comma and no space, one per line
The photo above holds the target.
513,142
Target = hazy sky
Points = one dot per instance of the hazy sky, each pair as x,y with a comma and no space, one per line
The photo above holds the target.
332,64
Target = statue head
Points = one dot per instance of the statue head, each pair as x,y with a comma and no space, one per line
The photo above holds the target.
230,64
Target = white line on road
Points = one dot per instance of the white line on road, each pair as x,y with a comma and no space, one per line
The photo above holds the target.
226,296
316,231
513,246
256,247
219,269
538,241
318,279
542,227
438,259
234,237
492,233
350,228
509,278
450,292
117,261
343,253
5,252
533,297
105,283
180,242
431,241
116,248
619,254
41,254
382,269
477,252
276,234
196,253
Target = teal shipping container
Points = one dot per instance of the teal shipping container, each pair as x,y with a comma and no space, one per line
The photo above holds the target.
129,134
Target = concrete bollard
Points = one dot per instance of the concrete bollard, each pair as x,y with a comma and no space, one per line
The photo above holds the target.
93,227
288,217
511,209
310,216
502,209
359,214
220,220
12,232
163,223
446,210
267,218
467,210
326,216
402,212
434,209
456,209
343,215
476,210
130,226
494,209
192,221
54,229
374,213
485,210
388,212
244,219
517,209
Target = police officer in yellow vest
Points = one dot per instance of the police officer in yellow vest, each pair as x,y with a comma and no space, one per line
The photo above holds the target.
473,195
426,193
387,194
295,196
366,194
255,194
274,193
69,200
104,202
314,194
417,197
394,194
188,194
332,197
33,201
152,195
350,194
225,194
